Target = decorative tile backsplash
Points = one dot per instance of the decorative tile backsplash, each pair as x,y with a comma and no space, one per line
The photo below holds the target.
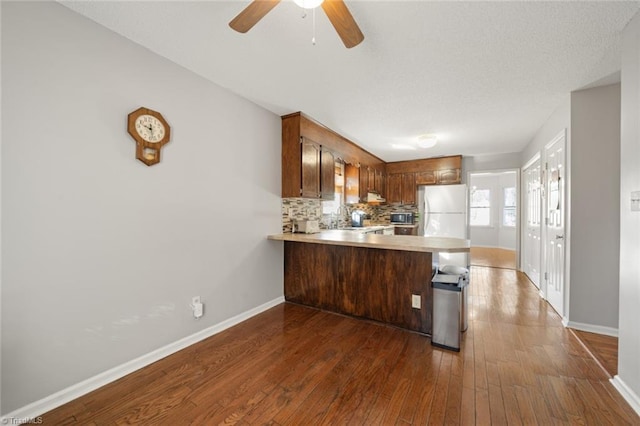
310,209
299,209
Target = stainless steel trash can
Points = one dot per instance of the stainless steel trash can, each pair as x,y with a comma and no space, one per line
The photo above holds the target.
449,310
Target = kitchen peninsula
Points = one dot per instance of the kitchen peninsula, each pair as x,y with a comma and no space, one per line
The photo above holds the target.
369,276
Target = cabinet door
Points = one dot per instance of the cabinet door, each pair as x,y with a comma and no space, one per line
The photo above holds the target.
409,188
426,178
310,169
378,182
371,178
351,184
399,230
394,188
327,175
449,176
364,183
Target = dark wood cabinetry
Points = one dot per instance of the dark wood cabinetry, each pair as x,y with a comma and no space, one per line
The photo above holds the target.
401,188
309,150
448,176
380,186
364,183
351,184
408,188
405,230
310,171
317,171
431,171
327,175
426,178
377,284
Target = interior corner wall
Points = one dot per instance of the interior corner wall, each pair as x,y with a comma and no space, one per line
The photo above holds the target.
628,331
594,212
101,254
559,120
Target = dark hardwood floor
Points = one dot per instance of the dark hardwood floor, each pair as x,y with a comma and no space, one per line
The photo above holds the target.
493,257
603,348
294,365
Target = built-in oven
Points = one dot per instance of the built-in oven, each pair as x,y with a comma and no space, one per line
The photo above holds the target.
402,218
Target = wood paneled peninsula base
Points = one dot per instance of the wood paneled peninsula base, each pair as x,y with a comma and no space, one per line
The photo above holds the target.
366,276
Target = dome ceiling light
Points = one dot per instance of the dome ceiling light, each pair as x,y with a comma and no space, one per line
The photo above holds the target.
427,141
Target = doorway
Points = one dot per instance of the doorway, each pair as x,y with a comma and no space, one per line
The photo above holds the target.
493,218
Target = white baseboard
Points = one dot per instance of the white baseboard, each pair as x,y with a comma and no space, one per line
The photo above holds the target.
493,247
598,329
630,396
35,409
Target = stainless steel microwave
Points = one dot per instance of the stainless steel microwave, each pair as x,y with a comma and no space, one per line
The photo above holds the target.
403,218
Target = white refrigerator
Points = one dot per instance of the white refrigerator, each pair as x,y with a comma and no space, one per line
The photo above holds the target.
443,213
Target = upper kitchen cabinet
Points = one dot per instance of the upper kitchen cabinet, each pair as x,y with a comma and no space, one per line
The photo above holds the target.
401,188
327,175
317,172
431,171
309,150
310,171
351,184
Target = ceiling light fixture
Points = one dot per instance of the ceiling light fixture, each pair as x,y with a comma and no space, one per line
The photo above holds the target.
308,4
427,141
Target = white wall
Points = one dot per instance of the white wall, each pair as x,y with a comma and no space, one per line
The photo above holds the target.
489,162
595,197
102,254
628,378
494,235
560,119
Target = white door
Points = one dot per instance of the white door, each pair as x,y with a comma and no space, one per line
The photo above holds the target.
532,209
554,252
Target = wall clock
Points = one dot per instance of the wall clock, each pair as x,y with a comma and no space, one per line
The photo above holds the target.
150,131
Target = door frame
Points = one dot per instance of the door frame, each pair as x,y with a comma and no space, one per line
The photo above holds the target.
523,200
518,230
566,219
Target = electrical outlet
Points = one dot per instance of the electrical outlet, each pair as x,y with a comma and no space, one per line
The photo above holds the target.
415,301
197,307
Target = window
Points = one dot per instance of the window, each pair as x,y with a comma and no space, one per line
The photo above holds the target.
480,209
509,207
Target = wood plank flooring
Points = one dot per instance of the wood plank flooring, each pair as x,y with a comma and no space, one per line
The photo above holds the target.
603,348
493,257
293,365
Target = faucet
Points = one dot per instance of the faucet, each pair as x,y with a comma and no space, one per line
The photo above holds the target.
340,212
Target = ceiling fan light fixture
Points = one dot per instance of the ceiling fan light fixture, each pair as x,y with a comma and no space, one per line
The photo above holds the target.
427,141
308,4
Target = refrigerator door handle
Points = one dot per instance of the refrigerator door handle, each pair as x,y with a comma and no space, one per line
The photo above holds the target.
426,216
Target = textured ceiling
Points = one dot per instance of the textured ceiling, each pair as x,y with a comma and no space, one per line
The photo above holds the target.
483,76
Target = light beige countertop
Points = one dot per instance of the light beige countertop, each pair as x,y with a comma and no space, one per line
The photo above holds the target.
387,242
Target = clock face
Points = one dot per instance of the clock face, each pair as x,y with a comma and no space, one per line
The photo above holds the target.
150,128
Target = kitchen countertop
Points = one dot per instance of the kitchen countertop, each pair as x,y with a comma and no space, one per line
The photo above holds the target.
388,242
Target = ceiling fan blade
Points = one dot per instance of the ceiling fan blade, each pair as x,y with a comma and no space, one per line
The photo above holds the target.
343,22
252,14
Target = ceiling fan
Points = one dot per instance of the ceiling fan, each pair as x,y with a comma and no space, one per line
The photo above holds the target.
336,11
